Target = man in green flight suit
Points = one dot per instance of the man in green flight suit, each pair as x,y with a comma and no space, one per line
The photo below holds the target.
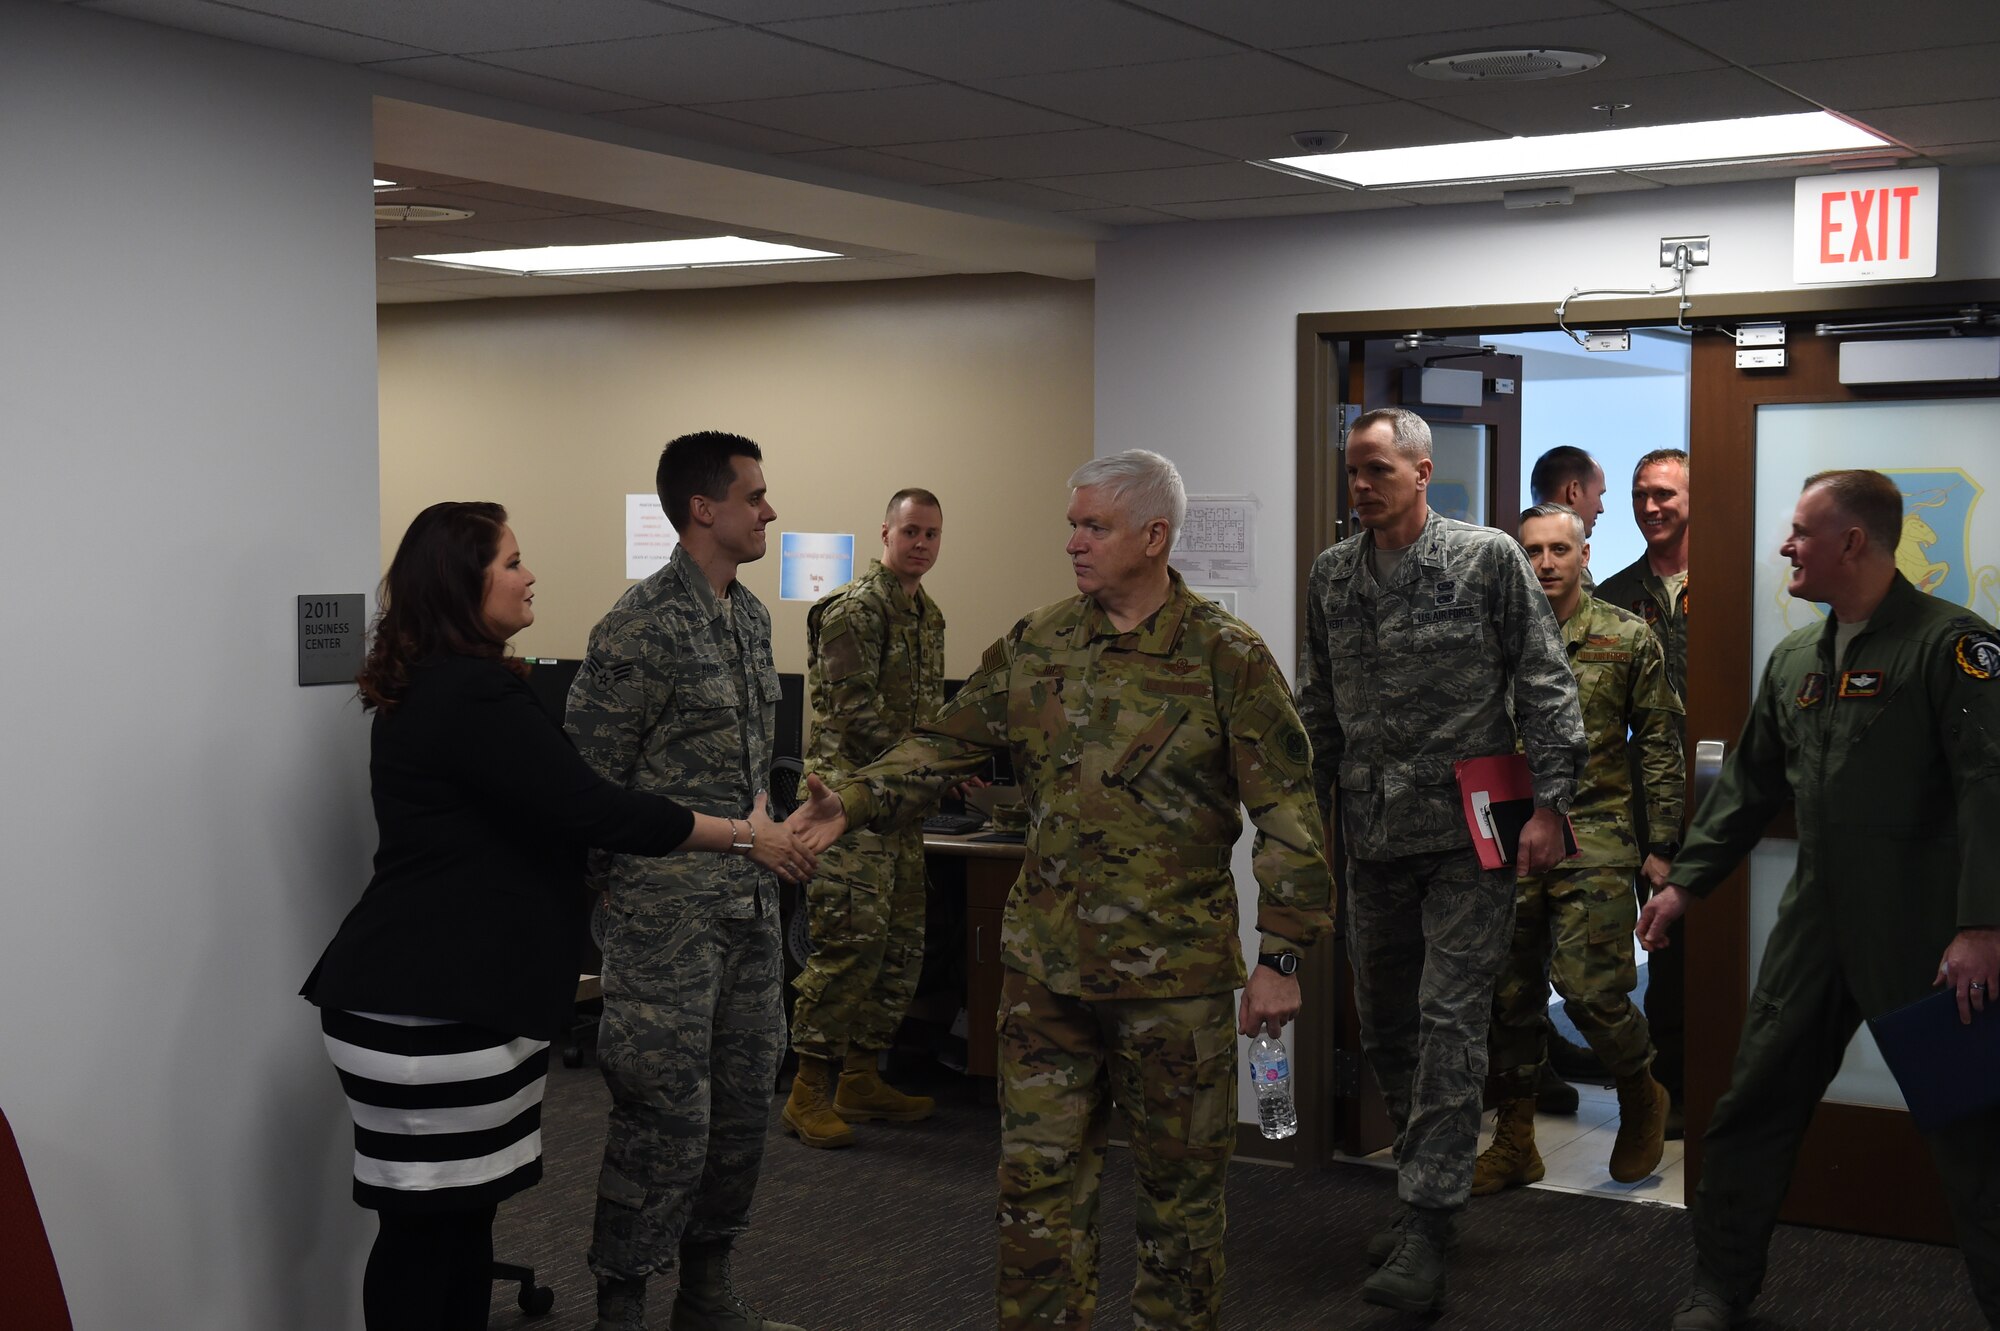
875,667
1142,720
1575,922
1882,728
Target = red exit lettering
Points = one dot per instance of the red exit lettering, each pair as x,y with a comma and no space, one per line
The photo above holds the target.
1872,217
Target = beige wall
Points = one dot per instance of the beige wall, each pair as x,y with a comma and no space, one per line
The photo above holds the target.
978,388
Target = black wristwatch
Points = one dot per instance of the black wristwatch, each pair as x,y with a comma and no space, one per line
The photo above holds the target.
1285,963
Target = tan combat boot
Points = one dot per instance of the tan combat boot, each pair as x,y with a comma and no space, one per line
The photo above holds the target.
809,1114
1642,1127
863,1096
1512,1160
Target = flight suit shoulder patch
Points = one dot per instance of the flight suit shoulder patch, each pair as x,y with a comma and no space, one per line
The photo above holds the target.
1978,654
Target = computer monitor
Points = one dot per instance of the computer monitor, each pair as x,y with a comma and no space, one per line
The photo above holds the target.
549,680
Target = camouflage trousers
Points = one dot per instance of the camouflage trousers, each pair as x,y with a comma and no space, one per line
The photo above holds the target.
1573,930
692,1032
1427,935
1170,1066
868,944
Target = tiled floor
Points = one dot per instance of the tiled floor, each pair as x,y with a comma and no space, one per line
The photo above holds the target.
1576,1147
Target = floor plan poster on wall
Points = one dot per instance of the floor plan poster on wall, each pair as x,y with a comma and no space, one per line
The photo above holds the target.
813,563
1218,542
649,537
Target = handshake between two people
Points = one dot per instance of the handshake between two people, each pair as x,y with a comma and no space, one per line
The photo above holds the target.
790,849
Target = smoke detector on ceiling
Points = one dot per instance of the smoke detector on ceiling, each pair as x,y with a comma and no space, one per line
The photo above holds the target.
1515,65
418,212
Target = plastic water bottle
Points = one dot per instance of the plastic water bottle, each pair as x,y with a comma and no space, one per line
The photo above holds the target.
1271,1074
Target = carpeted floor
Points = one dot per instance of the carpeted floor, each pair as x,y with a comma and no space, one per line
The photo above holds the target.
897,1235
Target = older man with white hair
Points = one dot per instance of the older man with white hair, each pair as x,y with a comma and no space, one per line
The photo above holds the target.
1142,720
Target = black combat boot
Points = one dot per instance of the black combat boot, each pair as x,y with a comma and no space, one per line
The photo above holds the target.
1412,1280
708,1301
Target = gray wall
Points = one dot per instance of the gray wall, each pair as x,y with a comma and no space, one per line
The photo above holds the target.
187,399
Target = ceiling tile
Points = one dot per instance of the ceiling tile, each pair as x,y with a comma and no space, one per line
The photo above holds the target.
997,38
1273,24
1291,205
1632,47
391,241
452,71
1373,125
1567,106
390,273
417,294
486,210
713,65
1944,123
1899,78
514,286
686,226
1181,89
1731,174
531,198
240,25
854,270
1790,30
884,167
897,115
776,11
410,175
718,130
1017,194
553,231
1069,152
494,23
1969,154
1183,184
1121,216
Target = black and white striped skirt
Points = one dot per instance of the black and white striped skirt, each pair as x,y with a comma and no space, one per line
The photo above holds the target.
446,1116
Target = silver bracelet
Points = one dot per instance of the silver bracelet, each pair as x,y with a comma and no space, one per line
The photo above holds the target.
745,846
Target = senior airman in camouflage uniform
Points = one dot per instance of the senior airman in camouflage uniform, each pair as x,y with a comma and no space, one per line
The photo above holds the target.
1420,630
875,652
1141,719
1575,924
679,695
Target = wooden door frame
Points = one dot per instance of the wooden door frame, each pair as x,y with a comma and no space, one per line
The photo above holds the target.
1718,932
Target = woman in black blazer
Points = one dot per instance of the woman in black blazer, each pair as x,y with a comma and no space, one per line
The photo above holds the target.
441,991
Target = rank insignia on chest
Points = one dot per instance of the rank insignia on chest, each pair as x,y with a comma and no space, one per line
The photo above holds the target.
1811,689
1861,683
1978,655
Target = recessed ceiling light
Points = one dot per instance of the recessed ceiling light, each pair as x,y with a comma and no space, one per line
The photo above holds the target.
1647,147
1514,65
632,257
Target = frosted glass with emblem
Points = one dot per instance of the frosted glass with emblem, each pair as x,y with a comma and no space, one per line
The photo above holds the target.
1943,455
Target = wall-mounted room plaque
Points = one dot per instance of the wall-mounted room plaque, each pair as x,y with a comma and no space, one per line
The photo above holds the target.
332,629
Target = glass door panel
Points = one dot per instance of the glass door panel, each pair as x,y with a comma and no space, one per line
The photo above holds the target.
1458,471
1940,453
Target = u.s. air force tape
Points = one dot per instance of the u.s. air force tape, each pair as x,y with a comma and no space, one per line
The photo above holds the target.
1978,655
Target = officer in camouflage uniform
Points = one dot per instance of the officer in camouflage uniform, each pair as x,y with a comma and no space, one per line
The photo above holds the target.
1576,922
875,650
1141,719
1655,587
679,695
1881,729
1419,630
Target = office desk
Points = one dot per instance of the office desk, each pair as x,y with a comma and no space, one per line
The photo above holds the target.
990,870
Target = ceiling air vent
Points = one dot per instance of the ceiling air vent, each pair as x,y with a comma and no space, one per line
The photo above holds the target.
1511,66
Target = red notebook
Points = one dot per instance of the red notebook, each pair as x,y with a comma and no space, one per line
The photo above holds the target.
1499,797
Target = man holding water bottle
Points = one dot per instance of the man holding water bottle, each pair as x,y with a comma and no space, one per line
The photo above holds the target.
1143,720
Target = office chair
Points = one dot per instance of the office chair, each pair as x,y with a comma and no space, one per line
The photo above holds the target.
33,1292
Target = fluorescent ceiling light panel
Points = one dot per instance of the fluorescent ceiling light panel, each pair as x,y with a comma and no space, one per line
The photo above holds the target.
1752,139
379,182
635,257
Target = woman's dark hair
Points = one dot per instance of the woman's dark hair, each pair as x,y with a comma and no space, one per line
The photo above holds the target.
432,599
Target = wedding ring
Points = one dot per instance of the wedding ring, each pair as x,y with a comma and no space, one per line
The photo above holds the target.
1977,984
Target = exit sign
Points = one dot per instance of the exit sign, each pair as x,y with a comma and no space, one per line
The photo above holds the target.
1865,226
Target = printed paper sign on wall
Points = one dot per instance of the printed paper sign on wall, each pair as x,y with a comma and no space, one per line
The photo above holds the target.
811,564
